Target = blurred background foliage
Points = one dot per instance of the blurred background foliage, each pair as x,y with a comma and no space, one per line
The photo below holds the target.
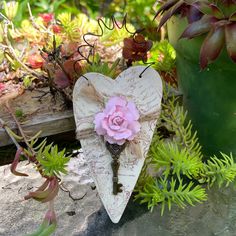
65,22
140,12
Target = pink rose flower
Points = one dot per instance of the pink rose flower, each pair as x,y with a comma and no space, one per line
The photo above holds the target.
118,122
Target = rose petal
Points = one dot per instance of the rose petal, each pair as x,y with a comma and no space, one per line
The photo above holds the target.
113,102
133,109
98,118
122,135
114,127
135,127
112,141
121,142
98,123
107,128
124,125
117,113
127,114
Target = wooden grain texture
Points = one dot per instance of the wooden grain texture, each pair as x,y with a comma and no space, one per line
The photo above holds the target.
146,93
49,115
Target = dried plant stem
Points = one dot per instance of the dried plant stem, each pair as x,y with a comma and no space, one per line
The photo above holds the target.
43,29
3,47
163,34
3,16
13,53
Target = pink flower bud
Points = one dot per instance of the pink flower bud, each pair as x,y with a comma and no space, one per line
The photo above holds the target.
47,17
56,29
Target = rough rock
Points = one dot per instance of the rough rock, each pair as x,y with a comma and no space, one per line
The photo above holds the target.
87,217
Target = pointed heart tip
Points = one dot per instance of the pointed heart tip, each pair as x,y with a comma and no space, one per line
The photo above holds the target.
115,219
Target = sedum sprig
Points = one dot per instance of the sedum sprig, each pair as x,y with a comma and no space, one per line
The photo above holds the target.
219,171
53,162
70,27
167,193
175,171
47,160
175,160
175,119
103,67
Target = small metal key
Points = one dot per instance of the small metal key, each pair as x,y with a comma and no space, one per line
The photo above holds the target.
115,151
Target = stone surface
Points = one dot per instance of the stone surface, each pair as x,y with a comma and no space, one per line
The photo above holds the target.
18,217
87,217
91,93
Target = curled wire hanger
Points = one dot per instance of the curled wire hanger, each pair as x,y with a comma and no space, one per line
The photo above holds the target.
113,24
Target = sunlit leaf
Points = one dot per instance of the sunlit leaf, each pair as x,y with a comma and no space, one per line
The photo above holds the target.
168,14
212,46
233,17
197,28
230,39
165,7
216,11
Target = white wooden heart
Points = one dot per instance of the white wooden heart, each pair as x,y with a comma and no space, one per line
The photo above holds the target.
146,93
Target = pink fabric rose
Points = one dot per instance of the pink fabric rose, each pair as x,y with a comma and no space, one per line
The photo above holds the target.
118,122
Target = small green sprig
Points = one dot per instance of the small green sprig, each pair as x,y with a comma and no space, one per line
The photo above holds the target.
175,119
53,162
70,26
174,160
164,56
103,67
47,160
177,161
169,192
219,171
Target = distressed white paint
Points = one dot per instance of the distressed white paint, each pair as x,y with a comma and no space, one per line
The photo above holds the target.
146,93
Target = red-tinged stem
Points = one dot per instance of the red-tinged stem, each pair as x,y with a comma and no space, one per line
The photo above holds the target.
30,158
51,216
51,205
19,127
15,163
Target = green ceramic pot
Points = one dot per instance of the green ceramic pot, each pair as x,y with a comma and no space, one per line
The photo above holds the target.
208,95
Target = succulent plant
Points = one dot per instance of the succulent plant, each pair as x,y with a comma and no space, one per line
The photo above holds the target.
214,18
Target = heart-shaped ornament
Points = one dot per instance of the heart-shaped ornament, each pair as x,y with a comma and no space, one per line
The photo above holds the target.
90,95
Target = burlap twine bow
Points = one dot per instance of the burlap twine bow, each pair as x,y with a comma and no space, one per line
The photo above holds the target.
85,125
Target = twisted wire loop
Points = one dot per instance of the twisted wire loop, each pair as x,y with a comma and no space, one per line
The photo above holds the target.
111,26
